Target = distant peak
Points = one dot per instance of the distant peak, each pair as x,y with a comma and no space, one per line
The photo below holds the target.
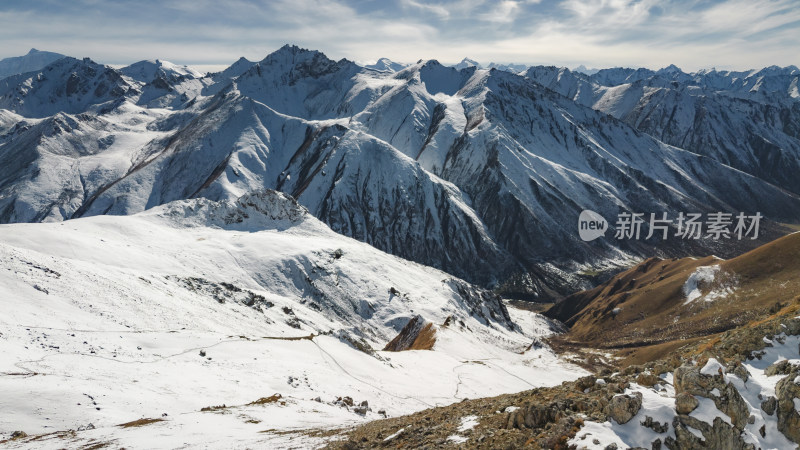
671,68
293,51
32,51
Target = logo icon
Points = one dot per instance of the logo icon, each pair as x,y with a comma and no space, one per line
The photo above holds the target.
591,225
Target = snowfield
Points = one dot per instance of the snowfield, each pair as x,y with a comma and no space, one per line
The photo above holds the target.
199,304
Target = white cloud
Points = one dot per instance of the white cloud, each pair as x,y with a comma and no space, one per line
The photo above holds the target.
601,33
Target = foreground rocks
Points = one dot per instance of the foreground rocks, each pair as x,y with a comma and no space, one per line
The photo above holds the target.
554,417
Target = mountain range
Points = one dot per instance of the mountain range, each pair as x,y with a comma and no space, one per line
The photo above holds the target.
472,171
270,254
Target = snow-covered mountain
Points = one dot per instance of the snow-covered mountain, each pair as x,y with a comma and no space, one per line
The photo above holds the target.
148,70
467,63
172,313
747,120
68,85
387,65
585,70
33,60
472,171
511,67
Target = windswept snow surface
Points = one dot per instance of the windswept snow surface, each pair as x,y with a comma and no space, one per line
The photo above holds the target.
104,320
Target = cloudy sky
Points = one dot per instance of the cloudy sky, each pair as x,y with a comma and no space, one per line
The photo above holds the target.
733,34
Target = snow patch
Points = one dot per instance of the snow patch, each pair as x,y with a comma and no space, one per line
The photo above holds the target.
712,367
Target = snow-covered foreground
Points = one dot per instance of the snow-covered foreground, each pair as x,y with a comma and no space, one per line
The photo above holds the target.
199,304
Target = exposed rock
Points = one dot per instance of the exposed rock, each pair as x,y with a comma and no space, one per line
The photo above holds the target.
769,405
536,415
623,407
586,382
418,334
788,418
689,379
718,435
656,426
685,403
783,367
647,379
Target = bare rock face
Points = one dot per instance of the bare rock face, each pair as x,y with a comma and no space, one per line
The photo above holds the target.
623,407
688,379
787,391
536,415
685,403
769,405
719,434
418,334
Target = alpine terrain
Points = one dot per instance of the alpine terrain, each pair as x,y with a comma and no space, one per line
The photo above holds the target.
299,252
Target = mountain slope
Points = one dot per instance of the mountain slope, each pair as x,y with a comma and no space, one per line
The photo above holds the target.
33,60
661,301
193,305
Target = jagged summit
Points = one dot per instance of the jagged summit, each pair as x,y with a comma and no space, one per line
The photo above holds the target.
466,62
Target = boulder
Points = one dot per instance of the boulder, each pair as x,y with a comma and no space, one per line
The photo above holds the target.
769,405
685,403
623,407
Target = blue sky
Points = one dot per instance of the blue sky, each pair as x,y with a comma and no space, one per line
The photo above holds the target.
692,34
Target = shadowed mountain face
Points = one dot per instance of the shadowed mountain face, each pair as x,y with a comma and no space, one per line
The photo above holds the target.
481,173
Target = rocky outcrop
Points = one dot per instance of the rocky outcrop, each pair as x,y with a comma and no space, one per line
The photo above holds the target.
623,407
418,334
788,395
783,367
689,379
717,435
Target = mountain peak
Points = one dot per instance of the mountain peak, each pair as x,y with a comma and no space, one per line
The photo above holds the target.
386,65
467,62
671,68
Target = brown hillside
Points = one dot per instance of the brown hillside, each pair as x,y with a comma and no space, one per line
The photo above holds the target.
646,305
